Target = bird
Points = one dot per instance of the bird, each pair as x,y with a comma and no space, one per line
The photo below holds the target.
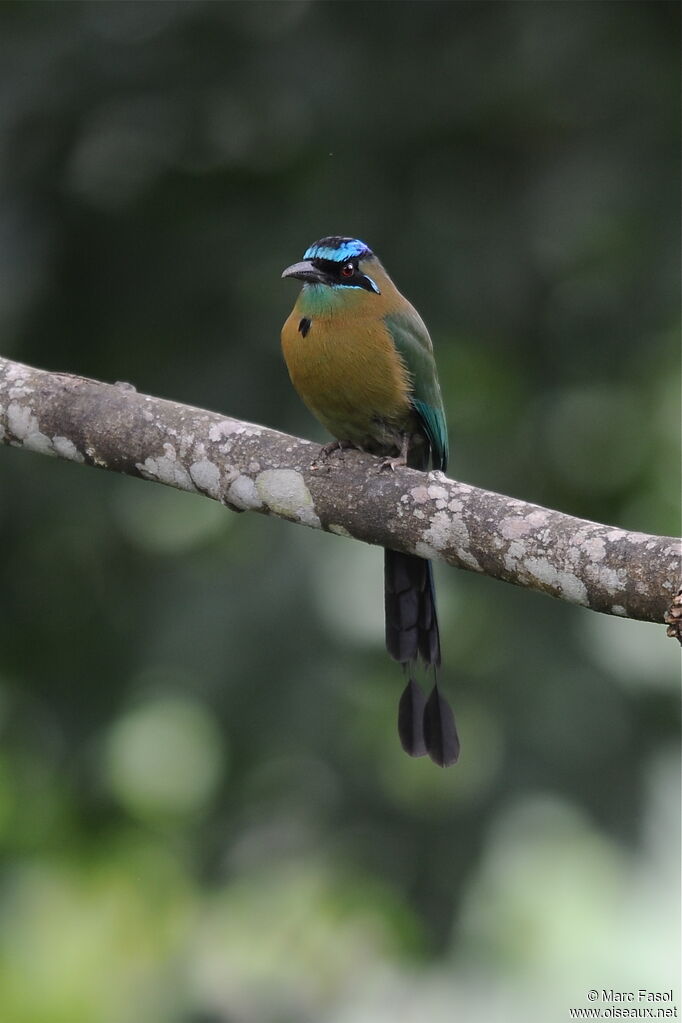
361,359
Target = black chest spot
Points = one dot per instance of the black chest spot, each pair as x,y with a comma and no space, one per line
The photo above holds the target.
304,326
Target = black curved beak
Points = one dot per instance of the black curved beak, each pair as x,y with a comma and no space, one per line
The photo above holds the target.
304,271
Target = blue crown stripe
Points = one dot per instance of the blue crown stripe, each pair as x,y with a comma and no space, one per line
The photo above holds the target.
349,250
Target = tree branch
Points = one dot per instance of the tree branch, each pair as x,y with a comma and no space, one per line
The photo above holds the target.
249,467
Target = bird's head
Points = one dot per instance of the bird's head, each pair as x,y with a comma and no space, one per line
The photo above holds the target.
338,263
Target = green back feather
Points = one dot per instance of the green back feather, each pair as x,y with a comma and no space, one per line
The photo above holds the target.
412,342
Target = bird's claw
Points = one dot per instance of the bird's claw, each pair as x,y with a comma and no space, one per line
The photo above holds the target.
393,463
398,461
327,450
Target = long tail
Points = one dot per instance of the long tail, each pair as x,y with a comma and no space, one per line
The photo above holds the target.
424,726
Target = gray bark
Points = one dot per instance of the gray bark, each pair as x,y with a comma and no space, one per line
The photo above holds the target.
252,468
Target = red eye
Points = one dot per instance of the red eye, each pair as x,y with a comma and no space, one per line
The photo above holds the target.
348,270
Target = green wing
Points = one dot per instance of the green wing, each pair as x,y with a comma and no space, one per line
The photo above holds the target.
412,341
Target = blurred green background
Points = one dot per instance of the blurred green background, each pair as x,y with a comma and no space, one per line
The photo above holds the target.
205,816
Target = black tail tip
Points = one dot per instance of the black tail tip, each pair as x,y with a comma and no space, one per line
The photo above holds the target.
427,726
440,732
411,720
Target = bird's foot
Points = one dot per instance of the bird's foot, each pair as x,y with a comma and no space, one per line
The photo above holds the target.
329,449
399,460
393,463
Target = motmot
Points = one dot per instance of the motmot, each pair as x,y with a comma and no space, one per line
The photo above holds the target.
361,358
